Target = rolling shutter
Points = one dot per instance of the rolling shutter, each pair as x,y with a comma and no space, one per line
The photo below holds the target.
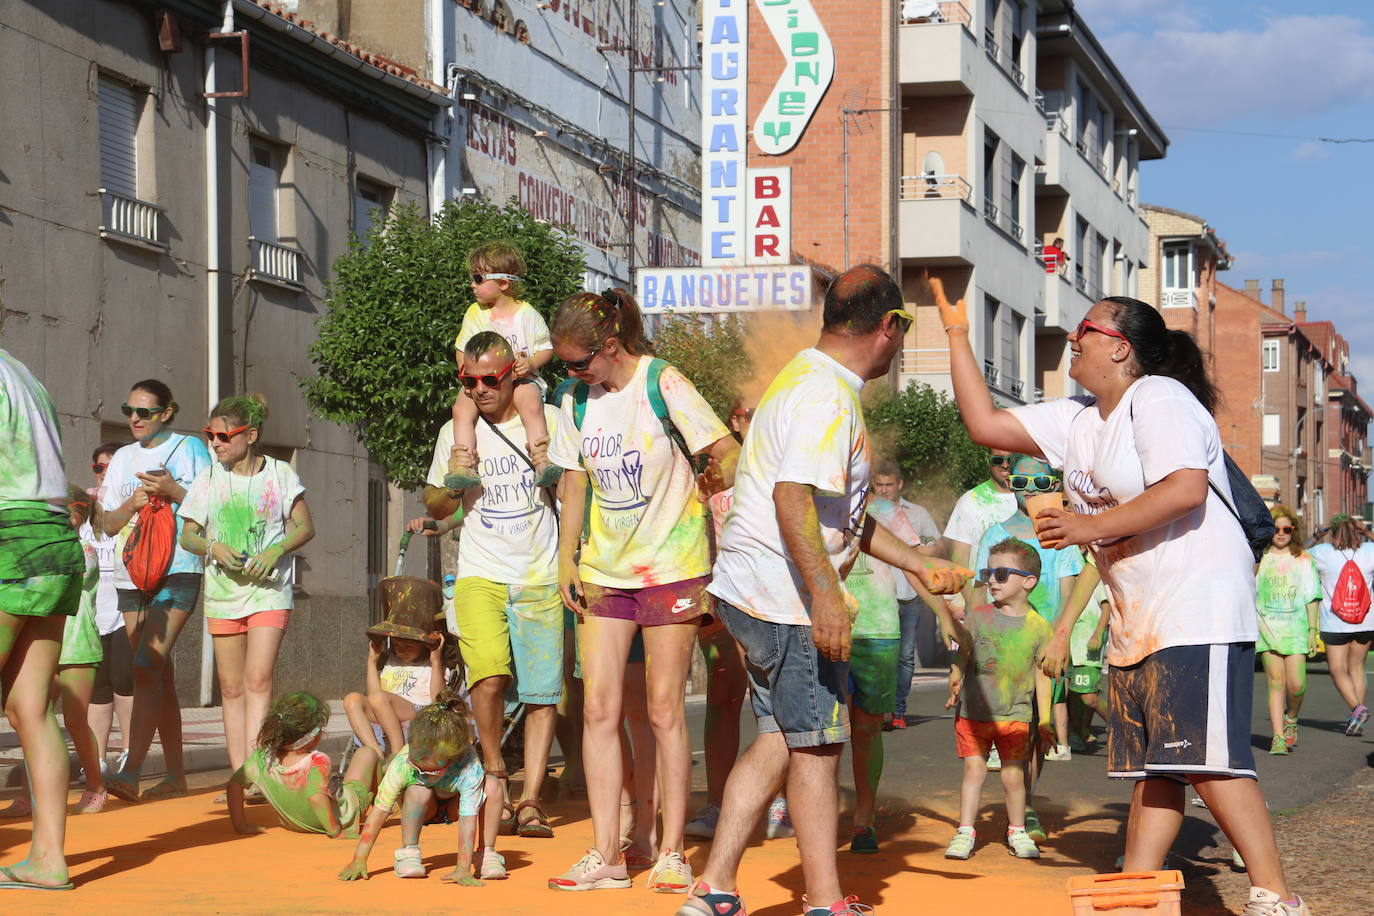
119,107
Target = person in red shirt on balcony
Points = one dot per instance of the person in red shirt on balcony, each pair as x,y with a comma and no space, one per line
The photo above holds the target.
1053,256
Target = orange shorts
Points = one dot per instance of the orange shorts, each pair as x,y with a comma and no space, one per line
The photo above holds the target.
975,739
242,625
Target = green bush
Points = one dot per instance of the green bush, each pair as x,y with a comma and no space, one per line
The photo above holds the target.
920,428
710,353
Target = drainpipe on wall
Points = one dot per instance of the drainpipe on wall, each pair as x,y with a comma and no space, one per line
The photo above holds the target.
212,303
446,75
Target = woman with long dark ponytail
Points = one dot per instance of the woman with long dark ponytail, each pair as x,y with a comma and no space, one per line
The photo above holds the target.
1145,476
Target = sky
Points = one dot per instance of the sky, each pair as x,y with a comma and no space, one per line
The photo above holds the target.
1214,73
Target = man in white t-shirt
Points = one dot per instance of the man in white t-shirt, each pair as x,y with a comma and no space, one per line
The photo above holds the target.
506,609
796,525
921,638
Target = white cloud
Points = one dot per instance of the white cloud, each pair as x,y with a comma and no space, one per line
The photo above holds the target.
1311,151
1288,67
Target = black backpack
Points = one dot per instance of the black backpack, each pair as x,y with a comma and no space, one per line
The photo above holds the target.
1249,509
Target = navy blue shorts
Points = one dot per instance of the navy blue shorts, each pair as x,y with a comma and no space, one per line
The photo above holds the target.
794,689
1183,711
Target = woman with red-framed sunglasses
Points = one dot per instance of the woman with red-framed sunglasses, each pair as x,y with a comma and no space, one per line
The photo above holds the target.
1288,596
246,514
1150,495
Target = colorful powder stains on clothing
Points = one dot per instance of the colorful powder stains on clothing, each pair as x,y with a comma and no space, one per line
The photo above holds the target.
1055,565
1284,586
463,776
999,684
288,789
81,637
873,583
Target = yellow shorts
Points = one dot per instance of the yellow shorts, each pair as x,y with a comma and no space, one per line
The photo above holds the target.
512,629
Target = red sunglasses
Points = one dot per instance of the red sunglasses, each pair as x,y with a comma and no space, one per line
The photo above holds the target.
1085,326
491,381
214,436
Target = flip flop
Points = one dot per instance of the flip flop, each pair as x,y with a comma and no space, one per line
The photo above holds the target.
122,789
9,880
164,790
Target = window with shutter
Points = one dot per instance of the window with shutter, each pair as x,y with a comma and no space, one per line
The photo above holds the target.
369,197
119,109
264,182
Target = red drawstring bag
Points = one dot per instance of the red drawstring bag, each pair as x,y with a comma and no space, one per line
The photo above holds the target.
1350,598
148,551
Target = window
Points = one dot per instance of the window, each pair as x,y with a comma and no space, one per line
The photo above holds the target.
264,187
1018,30
1013,205
120,105
1080,250
990,309
990,145
1099,256
1270,351
1271,434
1178,270
369,197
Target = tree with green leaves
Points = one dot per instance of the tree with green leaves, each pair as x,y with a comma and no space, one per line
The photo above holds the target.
384,355
920,428
710,353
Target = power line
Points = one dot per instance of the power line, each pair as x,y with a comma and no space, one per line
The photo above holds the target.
1252,133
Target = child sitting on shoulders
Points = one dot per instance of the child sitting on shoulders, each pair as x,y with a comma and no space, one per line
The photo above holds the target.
436,778
497,283
1001,655
405,672
293,775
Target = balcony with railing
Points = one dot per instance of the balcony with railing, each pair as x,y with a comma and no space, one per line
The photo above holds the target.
131,221
924,361
1087,287
917,12
935,218
934,187
276,264
937,51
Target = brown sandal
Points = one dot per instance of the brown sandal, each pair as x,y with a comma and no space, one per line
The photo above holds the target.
537,826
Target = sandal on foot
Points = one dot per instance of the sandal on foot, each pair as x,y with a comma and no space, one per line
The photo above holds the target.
122,789
22,806
537,826
8,879
92,802
165,790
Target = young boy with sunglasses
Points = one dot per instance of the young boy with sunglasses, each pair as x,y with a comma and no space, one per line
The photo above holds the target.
497,272
1001,661
1059,567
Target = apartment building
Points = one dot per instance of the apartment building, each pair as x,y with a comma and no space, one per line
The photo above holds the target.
586,112
1343,442
150,231
1021,145
1180,277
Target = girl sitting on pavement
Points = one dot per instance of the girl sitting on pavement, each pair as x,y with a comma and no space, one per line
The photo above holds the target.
436,778
293,775
405,673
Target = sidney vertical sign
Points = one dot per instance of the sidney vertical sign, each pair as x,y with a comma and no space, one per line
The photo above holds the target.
809,68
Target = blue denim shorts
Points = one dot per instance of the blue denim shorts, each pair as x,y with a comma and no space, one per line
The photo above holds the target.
795,690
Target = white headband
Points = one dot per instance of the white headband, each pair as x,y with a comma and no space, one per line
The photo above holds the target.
305,739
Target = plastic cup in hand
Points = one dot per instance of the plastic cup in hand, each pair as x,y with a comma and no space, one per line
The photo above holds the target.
1039,502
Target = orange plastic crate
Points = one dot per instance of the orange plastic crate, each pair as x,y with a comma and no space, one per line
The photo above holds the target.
1147,893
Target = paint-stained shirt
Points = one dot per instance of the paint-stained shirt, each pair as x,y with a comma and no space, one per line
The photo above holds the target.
31,472
288,789
248,512
184,457
999,682
873,583
412,683
648,525
1084,628
808,429
1186,583
525,331
926,530
1330,562
978,510
1055,565
510,533
462,777
1284,586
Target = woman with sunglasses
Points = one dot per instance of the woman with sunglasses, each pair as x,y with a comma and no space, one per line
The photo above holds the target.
160,463
644,565
1288,595
245,514
1145,476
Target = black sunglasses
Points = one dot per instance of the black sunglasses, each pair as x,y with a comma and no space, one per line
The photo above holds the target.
998,461
1001,574
1040,483
580,365
143,412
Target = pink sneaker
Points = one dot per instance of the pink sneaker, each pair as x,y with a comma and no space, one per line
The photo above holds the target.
591,873
91,802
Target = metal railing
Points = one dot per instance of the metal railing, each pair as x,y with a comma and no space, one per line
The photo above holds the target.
915,12
990,372
1178,298
276,263
990,45
928,187
925,360
1086,287
1017,74
990,212
1014,228
129,219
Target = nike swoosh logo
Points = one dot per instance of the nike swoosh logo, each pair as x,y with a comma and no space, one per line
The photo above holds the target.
682,604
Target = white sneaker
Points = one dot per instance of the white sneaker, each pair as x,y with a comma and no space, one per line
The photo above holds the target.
1267,903
1059,752
779,821
994,759
703,826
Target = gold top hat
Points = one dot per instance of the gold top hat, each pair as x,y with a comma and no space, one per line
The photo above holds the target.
411,605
